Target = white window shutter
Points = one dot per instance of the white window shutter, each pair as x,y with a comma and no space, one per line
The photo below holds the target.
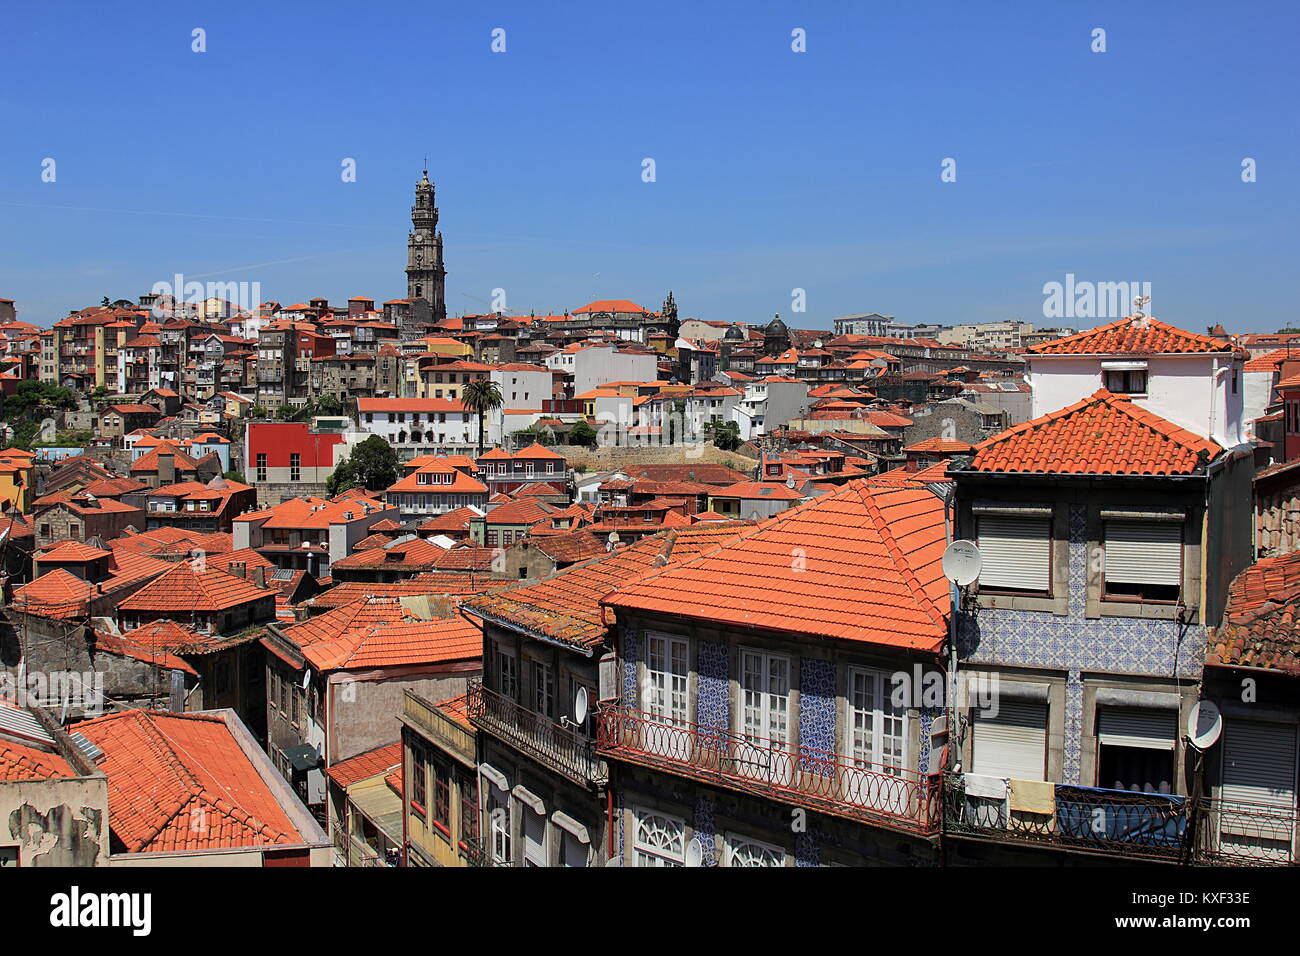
1013,743
1137,727
1016,552
1144,552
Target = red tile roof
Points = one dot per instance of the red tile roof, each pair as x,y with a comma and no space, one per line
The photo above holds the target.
438,584
378,632
457,708
185,590
182,782
1269,361
372,763
570,547
861,564
1104,434
1261,624
1131,336
20,762
566,606
943,446
72,551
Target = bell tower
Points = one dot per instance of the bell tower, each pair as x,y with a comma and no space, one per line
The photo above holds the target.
425,276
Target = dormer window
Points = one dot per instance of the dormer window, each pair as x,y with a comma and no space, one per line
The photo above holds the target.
1132,381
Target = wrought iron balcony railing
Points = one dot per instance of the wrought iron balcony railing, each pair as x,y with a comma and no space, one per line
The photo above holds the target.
563,750
1126,823
826,782
1249,834
1085,818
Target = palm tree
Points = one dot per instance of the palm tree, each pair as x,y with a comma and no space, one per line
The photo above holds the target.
480,396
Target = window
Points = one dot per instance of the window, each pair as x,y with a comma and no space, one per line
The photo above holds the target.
1135,749
295,466
1012,742
284,697
418,794
534,837
1017,553
441,774
1259,770
573,852
468,810
765,713
665,695
498,817
1143,560
294,708
1127,381
742,851
544,689
877,726
660,840
261,467
507,671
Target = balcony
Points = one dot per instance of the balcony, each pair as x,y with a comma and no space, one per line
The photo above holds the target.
819,780
565,751
1121,822
1246,834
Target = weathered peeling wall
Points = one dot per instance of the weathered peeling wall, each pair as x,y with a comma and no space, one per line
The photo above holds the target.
56,822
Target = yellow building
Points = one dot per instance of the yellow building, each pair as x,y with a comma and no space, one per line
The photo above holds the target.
17,479
440,783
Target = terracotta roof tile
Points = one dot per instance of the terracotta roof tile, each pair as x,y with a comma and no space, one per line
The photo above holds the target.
1103,434
167,771
20,762
566,606
184,590
1261,624
1131,336
861,564
372,763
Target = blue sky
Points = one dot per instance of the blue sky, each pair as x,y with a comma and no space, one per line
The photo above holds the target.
775,170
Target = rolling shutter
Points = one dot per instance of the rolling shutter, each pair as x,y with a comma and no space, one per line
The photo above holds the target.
1012,744
1136,727
1144,552
1017,552
1259,763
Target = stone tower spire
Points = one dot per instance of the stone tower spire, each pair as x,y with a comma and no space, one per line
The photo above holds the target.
425,276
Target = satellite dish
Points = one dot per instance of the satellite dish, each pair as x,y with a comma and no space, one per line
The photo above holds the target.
580,706
306,678
694,852
962,562
1204,725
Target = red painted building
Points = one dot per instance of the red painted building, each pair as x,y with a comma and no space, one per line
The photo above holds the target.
287,459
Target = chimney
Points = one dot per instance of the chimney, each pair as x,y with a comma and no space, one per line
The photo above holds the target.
166,468
301,614
259,576
238,569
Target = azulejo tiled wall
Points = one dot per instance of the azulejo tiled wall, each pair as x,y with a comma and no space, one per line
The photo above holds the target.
713,704
630,653
1117,645
816,710
1075,643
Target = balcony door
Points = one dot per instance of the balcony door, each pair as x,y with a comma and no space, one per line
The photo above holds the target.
764,751
877,744
664,697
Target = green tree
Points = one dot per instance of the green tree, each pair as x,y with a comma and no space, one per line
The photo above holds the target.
32,396
286,412
257,412
372,465
726,435
582,434
480,396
